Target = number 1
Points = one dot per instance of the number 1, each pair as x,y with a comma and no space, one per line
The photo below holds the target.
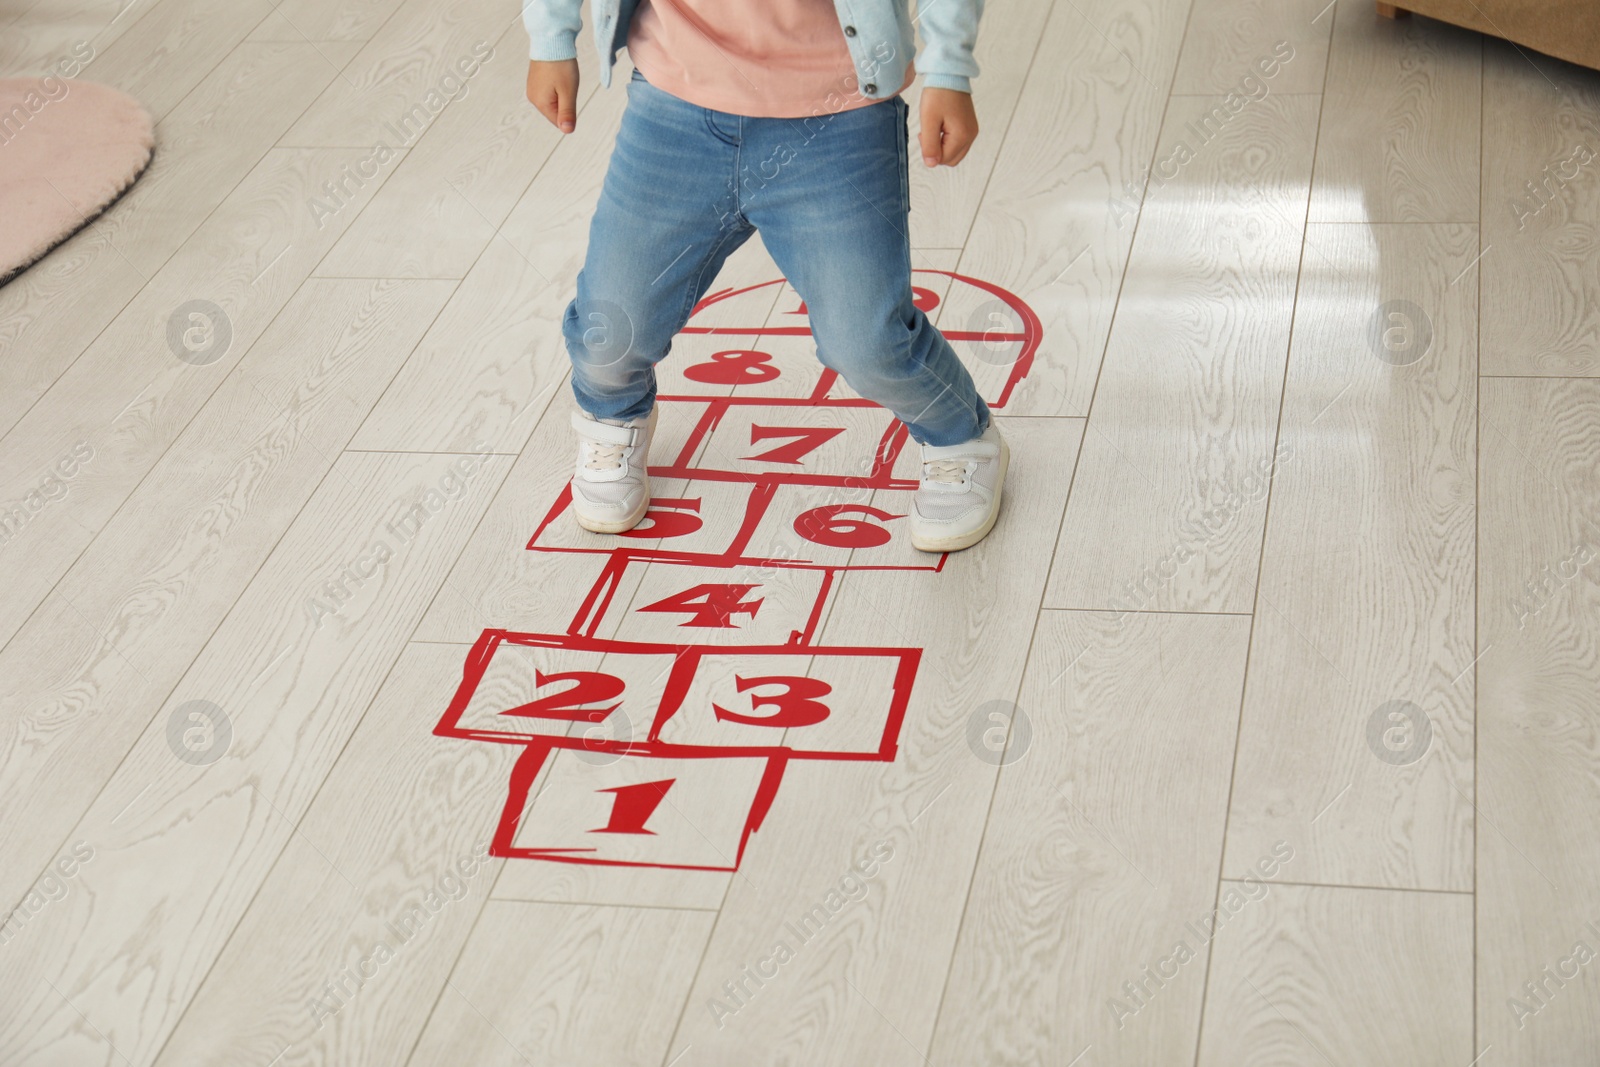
633,806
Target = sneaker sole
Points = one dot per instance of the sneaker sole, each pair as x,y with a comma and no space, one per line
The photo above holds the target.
967,540
620,525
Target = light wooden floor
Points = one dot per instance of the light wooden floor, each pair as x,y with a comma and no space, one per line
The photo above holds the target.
1296,593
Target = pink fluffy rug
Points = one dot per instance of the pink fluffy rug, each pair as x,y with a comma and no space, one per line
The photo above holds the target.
67,150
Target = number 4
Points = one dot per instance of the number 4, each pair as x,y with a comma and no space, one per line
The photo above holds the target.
711,604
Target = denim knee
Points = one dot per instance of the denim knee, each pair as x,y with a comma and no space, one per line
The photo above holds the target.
604,344
865,344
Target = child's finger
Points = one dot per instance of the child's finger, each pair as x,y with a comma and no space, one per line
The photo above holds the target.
567,112
930,140
956,143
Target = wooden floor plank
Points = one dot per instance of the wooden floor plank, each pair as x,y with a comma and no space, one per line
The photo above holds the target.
1357,736
460,179
1539,690
1315,974
1400,121
158,58
130,394
1058,217
320,20
1541,200
554,983
86,674
402,78
183,843
1102,847
40,35
1167,504
1230,40
391,854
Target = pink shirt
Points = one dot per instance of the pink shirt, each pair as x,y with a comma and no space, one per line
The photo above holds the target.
759,58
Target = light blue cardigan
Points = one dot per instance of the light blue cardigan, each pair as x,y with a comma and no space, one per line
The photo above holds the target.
878,33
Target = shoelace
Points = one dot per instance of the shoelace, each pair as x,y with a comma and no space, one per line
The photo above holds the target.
946,471
605,457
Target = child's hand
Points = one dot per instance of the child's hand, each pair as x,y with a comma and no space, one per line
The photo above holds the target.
553,89
949,126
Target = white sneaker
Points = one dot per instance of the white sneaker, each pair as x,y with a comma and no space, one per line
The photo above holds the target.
611,490
959,497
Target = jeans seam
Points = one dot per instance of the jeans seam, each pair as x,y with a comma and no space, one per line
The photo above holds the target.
694,286
905,162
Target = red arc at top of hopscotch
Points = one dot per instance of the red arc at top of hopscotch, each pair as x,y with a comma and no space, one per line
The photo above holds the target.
926,299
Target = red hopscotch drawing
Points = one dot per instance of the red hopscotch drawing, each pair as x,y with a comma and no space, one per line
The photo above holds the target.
701,730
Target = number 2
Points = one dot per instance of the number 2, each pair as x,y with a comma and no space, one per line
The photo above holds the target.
587,688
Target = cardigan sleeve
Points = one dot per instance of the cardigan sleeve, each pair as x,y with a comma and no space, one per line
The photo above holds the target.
553,28
949,30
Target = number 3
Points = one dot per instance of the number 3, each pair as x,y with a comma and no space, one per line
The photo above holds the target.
796,704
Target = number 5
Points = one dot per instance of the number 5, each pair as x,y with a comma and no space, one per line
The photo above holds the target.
669,517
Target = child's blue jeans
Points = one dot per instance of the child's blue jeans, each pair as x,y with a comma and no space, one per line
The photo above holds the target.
687,185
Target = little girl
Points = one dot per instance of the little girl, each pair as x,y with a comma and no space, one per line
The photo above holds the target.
782,116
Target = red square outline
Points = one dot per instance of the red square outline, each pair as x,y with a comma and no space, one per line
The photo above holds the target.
762,492
686,657
526,772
